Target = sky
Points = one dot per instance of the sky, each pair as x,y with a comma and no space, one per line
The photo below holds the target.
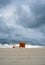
22,20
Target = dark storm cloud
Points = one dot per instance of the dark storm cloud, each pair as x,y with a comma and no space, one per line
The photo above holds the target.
4,3
3,27
23,20
38,10
36,16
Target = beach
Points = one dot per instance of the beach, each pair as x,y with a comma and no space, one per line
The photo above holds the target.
22,56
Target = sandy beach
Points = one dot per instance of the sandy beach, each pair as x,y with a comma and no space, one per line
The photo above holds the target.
22,56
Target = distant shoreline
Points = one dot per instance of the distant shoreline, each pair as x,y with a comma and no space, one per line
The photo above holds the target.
17,45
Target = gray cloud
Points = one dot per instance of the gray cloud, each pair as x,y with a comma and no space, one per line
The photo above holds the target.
23,21
3,27
4,3
36,16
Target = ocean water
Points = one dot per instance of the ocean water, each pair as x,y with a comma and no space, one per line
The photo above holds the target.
17,45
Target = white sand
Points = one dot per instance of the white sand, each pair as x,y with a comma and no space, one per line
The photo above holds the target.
22,56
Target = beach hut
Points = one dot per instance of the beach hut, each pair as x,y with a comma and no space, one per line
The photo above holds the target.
22,44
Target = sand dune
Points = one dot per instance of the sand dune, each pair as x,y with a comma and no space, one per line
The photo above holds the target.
22,56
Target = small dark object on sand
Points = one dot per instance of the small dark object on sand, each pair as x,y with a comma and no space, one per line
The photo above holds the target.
13,46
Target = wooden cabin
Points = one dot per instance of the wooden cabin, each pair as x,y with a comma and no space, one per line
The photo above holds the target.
22,44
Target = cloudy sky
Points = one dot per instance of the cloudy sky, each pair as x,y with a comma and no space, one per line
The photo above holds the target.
23,20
